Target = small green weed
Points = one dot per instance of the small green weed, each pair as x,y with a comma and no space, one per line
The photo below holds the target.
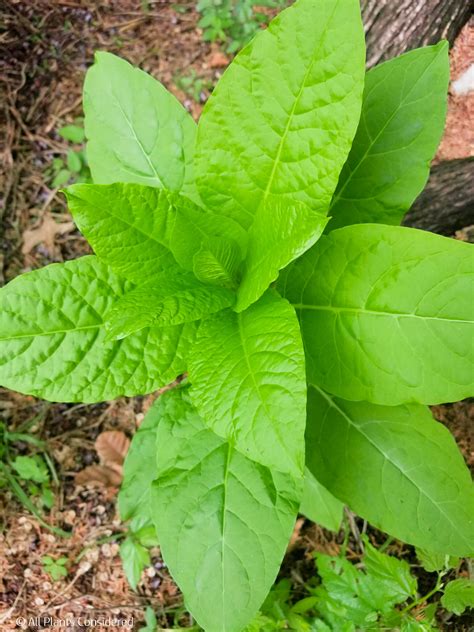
56,569
193,85
29,477
233,22
72,167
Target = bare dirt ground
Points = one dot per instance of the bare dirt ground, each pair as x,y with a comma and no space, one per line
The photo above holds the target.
46,48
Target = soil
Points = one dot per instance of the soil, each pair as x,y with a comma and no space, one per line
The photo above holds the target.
46,48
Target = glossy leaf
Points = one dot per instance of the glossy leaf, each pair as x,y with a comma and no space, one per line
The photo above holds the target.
402,120
140,230
386,314
137,130
127,225
319,505
282,231
282,118
247,375
416,486
195,229
218,262
52,337
223,520
170,298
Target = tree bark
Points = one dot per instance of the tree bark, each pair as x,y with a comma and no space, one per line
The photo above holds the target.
395,26
447,203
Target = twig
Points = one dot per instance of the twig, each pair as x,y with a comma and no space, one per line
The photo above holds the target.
11,610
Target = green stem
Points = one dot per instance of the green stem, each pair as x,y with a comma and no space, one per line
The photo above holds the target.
425,598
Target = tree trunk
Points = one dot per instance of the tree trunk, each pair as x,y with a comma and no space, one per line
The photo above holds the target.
395,26
447,203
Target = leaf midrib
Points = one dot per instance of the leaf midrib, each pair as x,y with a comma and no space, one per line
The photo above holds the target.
122,219
360,310
295,104
270,417
54,332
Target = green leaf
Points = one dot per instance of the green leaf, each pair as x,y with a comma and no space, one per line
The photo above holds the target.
386,314
282,231
416,485
458,595
52,337
73,133
73,161
139,468
319,505
393,573
223,520
137,229
218,262
247,376
349,594
134,559
127,225
195,228
137,130
433,562
171,298
61,178
31,468
408,624
282,118
403,115
150,620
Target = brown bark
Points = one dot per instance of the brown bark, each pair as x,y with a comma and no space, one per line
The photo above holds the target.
395,26
447,203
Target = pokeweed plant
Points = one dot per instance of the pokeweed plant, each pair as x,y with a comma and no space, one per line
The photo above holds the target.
366,325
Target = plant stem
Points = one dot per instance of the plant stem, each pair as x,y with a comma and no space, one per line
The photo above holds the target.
420,600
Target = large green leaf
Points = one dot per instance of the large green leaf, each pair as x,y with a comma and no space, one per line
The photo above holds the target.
52,337
403,115
386,314
282,231
247,375
127,225
137,229
394,466
319,505
137,131
223,520
282,118
170,298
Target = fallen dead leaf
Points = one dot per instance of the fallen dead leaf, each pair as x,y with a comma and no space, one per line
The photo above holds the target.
45,233
218,60
99,475
296,535
112,447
